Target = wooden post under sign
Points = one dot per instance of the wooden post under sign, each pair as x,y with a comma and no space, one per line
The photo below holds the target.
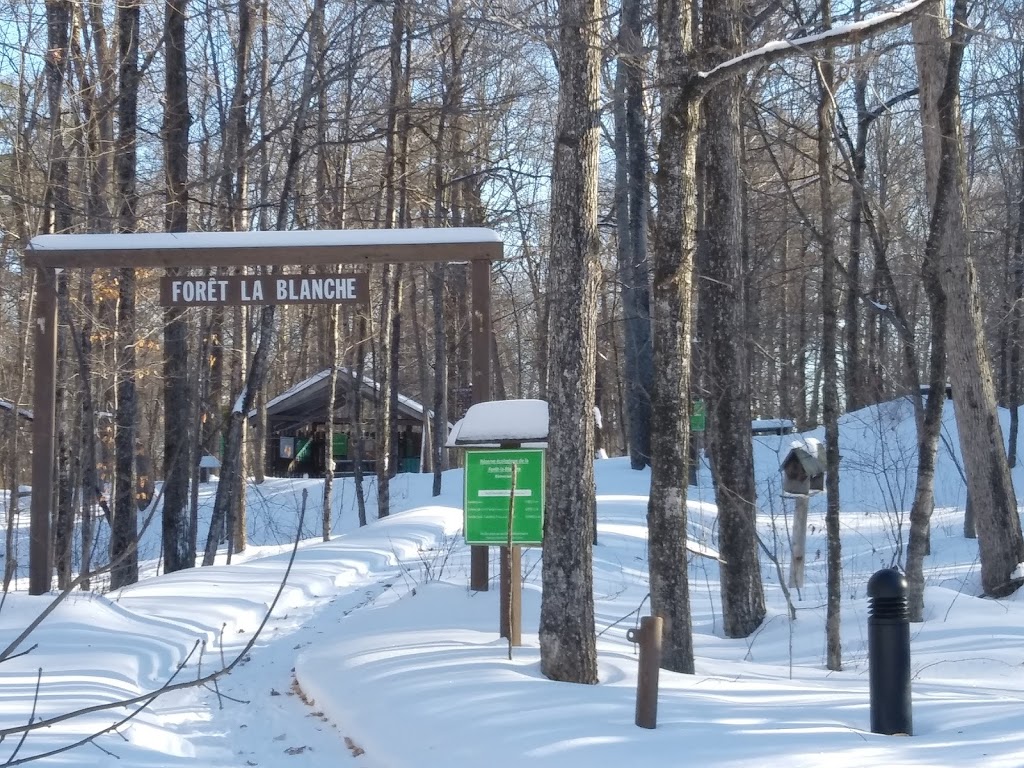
511,598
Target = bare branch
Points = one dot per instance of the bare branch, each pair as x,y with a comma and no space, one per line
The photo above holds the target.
31,717
843,34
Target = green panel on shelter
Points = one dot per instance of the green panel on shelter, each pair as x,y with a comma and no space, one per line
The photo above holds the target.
698,416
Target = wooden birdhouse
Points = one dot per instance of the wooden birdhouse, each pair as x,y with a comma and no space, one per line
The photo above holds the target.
803,472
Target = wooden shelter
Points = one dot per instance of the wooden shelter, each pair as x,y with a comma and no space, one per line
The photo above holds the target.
297,434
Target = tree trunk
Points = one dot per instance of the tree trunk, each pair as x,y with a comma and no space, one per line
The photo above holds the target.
675,246
829,339
927,446
568,644
1000,542
855,379
91,487
394,364
389,280
124,537
631,226
98,141
357,417
1017,318
58,197
231,467
930,421
439,431
723,302
178,401
332,384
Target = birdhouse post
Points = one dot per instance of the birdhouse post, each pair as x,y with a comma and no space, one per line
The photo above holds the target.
803,473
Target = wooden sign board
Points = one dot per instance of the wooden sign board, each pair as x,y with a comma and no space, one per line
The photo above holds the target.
237,290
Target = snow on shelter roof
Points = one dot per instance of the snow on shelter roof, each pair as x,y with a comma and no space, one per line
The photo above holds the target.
308,247
318,381
501,421
7,405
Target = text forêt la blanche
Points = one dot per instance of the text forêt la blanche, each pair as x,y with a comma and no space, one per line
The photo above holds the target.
264,290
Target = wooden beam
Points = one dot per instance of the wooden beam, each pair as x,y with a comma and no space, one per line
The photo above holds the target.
44,410
480,329
103,251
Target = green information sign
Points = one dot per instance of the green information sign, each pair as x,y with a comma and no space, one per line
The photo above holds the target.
488,485
698,416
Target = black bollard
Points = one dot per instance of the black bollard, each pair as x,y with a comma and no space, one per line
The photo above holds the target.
889,654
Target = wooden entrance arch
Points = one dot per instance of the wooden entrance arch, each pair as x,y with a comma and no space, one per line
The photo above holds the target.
49,253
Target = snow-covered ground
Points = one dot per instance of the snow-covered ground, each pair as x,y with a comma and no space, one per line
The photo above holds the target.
377,655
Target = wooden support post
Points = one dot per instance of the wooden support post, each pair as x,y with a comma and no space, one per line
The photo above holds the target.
479,566
512,595
799,538
43,422
648,637
511,598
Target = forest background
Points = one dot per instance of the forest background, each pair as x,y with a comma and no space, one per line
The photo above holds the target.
791,233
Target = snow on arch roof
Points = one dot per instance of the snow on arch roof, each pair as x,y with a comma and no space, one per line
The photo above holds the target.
264,248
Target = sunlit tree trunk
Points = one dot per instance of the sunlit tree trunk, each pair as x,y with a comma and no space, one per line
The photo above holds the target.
568,645
58,201
829,341
673,261
723,302
1000,542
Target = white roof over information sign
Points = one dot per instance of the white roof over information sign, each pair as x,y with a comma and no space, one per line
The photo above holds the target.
501,421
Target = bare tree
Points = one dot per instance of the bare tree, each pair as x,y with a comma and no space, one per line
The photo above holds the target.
1000,542
829,341
568,644
723,305
123,549
178,402
683,86
631,204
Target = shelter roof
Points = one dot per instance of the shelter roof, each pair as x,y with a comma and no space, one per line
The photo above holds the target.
307,401
7,405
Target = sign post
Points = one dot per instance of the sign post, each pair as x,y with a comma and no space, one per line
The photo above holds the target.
504,505
175,250
503,496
